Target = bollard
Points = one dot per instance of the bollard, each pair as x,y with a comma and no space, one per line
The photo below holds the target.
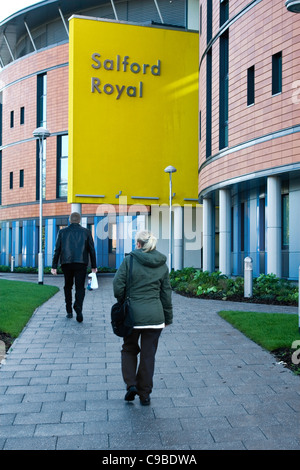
248,277
2,351
12,264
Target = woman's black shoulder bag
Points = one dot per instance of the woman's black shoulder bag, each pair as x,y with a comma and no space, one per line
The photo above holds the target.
121,316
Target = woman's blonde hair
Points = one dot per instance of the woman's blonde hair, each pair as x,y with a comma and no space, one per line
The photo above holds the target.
147,240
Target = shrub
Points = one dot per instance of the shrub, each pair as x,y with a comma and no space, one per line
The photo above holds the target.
4,269
267,288
272,289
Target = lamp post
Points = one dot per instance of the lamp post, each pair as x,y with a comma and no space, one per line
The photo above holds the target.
170,169
41,133
293,6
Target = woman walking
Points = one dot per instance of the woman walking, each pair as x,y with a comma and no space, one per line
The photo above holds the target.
150,300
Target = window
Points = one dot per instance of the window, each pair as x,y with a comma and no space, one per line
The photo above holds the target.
62,166
208,102
41,115
285,221
277,73
250,85
38,170
224,11
11,119
20,239
232,230
21,178
262,224
223,97
200,128
242,234
22,115
209,13
41,100
11,180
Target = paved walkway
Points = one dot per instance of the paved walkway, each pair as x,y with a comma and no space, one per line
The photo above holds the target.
61,385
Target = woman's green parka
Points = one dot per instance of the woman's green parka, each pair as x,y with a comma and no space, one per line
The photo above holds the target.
150,290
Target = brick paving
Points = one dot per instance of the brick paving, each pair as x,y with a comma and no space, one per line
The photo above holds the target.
61,386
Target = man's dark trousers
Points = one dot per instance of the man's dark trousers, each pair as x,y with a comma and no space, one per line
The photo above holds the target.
75,271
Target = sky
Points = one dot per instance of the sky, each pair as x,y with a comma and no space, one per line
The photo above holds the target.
8,7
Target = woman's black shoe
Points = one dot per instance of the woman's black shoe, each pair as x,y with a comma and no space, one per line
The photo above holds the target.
145,401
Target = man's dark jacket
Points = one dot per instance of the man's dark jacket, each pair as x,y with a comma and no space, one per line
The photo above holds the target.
74,244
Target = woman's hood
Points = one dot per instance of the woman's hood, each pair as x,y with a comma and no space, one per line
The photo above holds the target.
152,259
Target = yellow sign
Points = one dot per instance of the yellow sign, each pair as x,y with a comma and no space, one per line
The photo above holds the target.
133,111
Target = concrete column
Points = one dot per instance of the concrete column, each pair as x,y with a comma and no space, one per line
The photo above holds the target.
178,238
207,235
76,207
274,226
224,231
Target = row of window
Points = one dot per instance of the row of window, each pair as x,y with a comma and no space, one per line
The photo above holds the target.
224,77
224,90
62,146
21,179
22,117
62,169
276,78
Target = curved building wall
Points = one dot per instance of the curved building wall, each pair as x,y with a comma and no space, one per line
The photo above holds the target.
19,148
34,93
249,152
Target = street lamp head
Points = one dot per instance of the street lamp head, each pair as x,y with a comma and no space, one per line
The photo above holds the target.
41,133
170,169
293,6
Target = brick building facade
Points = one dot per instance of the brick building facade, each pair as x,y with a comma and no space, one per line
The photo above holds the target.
250,143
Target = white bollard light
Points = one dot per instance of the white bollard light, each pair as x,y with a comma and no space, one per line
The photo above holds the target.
248,277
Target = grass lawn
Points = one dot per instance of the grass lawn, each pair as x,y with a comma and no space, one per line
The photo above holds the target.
275,332
270,330
18,301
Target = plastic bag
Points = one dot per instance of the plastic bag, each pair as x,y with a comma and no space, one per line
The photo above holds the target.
92,281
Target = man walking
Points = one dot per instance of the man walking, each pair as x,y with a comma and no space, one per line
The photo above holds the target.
74,245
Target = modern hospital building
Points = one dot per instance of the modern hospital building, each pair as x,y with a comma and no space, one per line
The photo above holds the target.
128,88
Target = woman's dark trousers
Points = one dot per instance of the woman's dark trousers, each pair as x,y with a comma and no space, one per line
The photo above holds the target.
77,272
141,377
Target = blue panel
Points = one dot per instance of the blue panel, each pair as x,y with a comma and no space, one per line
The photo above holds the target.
247,226
15,241
120,241
49,241
3,243
24,242
29,243
101,240
256,262
235,261
134,230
